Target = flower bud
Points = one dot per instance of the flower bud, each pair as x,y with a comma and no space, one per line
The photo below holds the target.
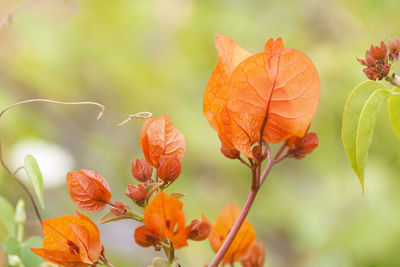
170,169
394,49
230,153
142,170
300,147
198,230
257,153
119,209
145,237
137,193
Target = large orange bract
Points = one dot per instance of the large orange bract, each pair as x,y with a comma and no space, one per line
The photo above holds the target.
276,91
70,241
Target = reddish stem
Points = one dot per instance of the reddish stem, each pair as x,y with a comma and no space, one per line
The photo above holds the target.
235,229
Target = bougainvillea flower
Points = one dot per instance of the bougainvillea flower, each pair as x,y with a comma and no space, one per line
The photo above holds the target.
141,170
223,225
160,137
170,169
377,61
255,255
301,147
276,92
89,190
70,241
164,217
198,230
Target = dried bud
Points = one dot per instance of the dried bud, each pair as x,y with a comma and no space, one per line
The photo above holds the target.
394,49
198,230
137,193
377,60
119,209
300,147
170,169
230,153
144,237
142,170
257,153
255,255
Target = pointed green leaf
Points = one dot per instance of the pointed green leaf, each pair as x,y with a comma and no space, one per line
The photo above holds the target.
7,224
394,112
366,126
35,176
351,114
30,259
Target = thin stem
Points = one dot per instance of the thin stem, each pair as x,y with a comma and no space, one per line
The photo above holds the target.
244,162
235,229
104,260
394,80
142,115
4,21
21,184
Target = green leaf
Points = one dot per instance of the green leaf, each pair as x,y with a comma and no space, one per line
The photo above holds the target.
7,224
35,176
351,115
366,126
29,258
178,194
12,246
129,215
394,112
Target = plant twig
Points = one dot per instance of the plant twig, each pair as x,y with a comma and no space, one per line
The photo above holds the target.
7,18
393,79
21,184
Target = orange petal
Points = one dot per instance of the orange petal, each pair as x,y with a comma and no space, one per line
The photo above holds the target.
280,89
145,237
60,258
223,225
215,96
160,137
164,216
89,191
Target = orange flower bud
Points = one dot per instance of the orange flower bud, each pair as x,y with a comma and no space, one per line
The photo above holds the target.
257,153
230,153
198,230
170,169
145,237
255,256
301,147
142,170
137,193
119,209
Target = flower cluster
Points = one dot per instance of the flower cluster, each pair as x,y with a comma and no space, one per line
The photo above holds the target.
379,59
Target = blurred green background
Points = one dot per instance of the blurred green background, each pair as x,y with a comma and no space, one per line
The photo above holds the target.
157,56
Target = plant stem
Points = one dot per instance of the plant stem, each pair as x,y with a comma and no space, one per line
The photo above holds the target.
235,229
4,21
21,184
394,80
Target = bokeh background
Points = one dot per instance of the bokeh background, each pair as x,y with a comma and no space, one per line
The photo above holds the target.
157,56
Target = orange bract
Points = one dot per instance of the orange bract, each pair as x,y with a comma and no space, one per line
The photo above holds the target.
89,191
70,241
160,137
277,90
224,223
164,217
255,255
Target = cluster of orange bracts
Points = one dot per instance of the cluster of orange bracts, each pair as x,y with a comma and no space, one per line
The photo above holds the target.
264,98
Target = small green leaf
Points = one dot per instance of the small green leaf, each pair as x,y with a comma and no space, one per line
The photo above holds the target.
12,246
35,176
29,258
366,126
178,194
7,224
129,215
394,112
351,114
